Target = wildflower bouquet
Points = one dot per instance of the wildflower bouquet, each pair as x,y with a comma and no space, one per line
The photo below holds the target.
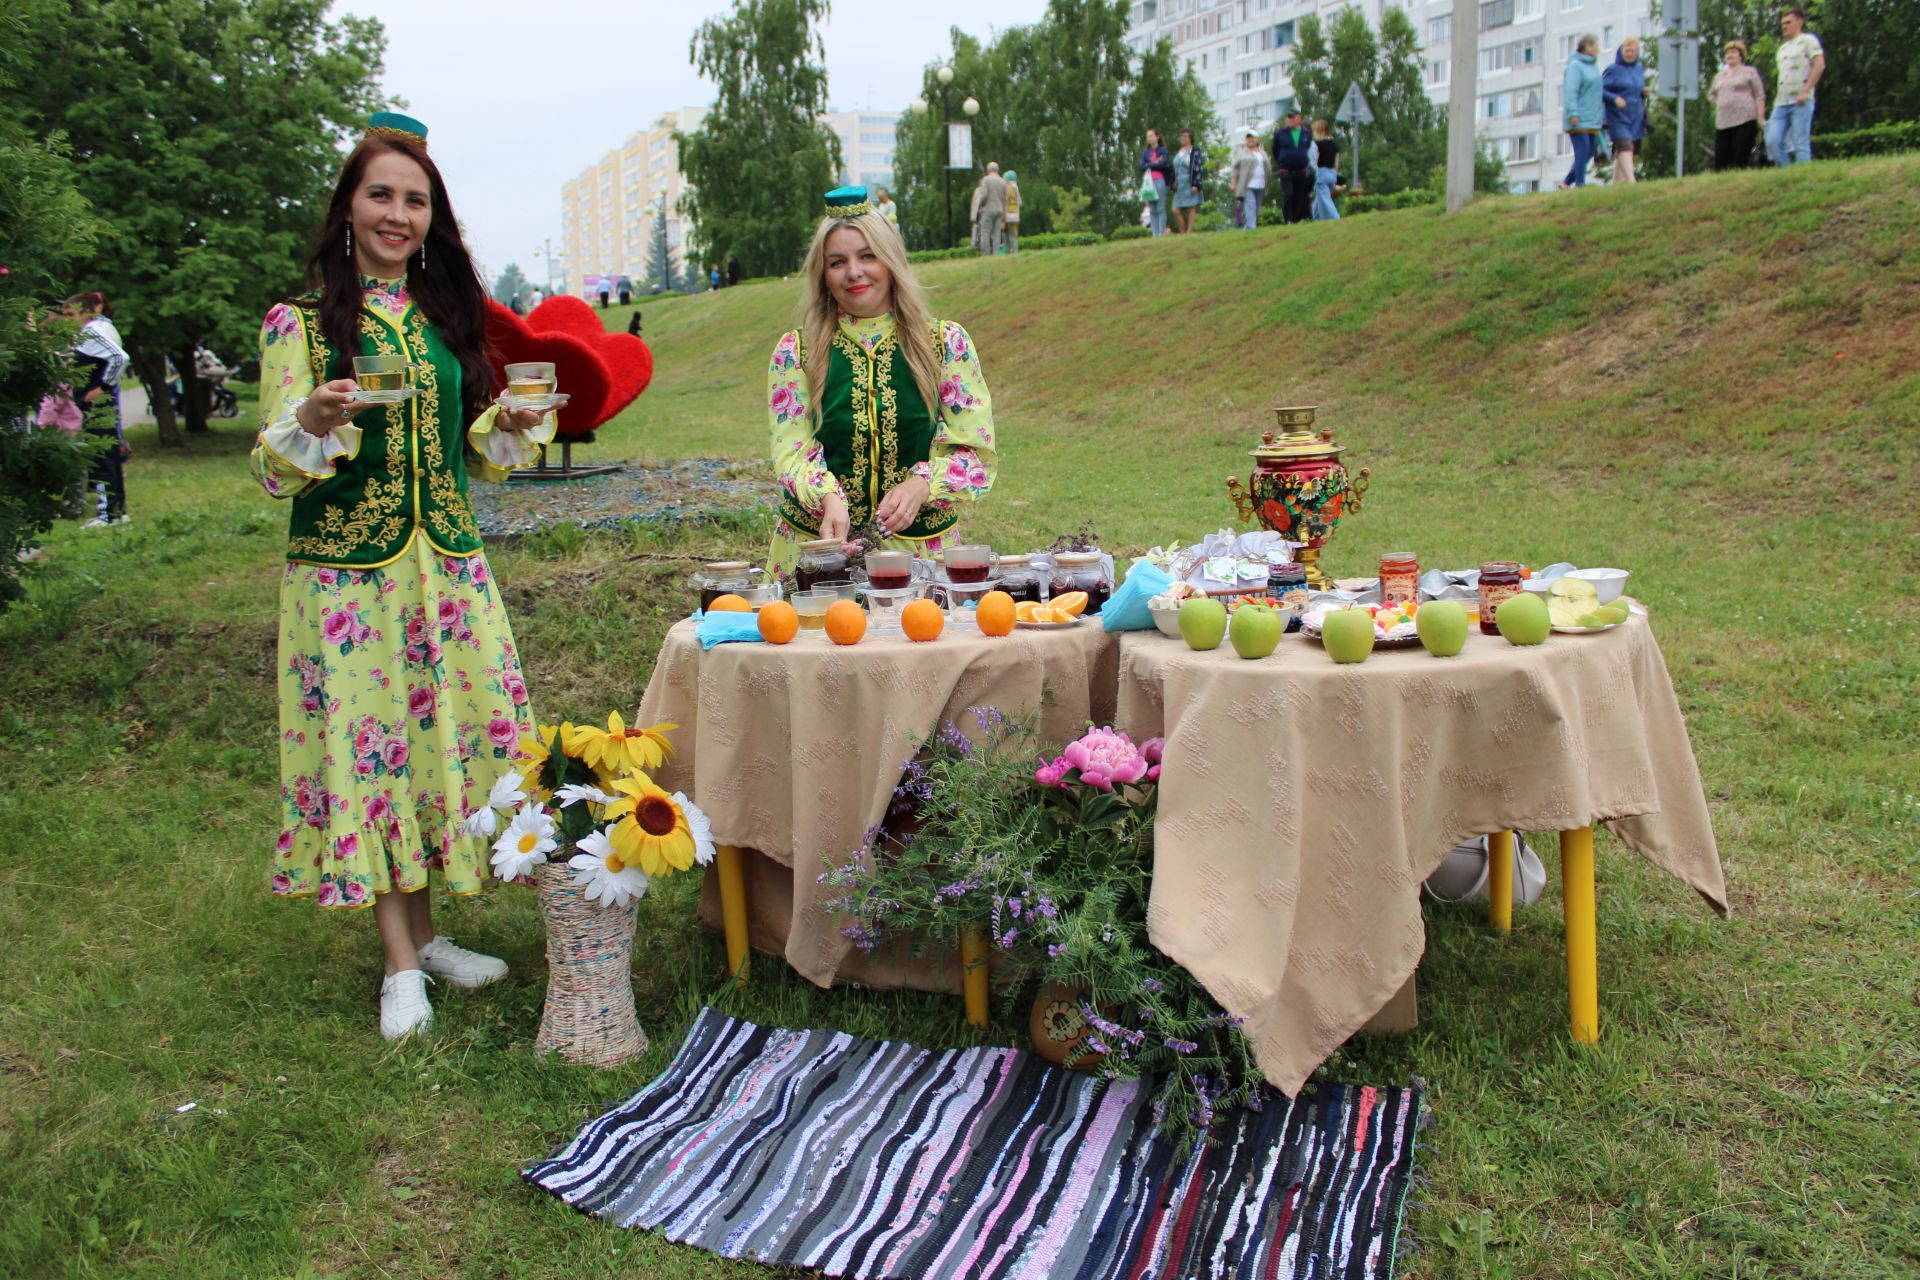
586,789
1057,862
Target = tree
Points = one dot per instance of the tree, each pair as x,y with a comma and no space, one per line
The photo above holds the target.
660,273
760,161
512,284
45,225
207,135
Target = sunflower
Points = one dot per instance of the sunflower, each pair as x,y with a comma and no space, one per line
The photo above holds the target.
533,752
652,830
618,749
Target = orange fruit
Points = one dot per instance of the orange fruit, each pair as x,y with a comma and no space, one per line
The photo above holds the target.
779,622
1057,614
922,620
846,622
729,604
1073,603
995,614
1027,611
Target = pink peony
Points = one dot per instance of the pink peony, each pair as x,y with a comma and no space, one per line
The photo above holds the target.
1052,773
1153,773
364,766
1104,757
395,754
327,577
336,625
417,627
784,403
449,612
368,738
329,895
355,892
1153,749
378,807
420,703
503,731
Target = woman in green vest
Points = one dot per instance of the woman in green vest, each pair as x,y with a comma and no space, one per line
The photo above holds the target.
401,698
879,414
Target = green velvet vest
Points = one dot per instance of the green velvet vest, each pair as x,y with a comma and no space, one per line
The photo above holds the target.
873,428
410,475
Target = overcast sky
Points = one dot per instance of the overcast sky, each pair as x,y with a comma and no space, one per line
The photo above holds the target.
518,97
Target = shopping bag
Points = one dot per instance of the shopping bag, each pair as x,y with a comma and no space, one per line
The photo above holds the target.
1127,609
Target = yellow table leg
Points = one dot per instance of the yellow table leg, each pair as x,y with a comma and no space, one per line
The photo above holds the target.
733,907
1500,881
973,972
1583,973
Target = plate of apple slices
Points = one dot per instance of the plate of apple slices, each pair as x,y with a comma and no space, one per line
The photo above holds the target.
1575,609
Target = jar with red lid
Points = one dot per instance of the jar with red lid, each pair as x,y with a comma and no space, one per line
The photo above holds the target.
1498,580
1399,577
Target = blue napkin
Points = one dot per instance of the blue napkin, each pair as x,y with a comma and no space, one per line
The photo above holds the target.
1127,610
726,628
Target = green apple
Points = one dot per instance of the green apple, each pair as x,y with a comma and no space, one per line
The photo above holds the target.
1523,619
1591,620
1613,612
1203,623
1347,635
1256,630
1443,627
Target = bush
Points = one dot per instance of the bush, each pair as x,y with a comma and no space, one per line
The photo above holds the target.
1879,139
935,255
1412,198
1133,232
41,470
1211,220
1061,240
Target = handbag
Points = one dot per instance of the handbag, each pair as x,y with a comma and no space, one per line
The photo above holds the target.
1759,159
1148,194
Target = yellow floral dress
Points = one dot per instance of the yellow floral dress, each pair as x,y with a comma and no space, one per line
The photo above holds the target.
401,697
961,461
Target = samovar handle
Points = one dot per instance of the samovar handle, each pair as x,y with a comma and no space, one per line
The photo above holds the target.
1357,489
1241,502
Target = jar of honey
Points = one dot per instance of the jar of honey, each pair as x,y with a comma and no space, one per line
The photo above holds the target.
1399,577
1498,580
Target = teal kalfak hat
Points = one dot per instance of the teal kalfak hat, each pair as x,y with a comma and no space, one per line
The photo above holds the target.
394,125
848,202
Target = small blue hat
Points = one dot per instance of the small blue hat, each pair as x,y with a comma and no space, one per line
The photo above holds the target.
394,125
848,202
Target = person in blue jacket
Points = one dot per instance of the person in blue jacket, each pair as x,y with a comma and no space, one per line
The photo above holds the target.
1293,161
1624,86
1584,116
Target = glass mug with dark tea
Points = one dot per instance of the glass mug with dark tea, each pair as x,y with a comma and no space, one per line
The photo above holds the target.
889,570
968,564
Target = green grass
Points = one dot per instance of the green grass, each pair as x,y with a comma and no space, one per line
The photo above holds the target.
1712,383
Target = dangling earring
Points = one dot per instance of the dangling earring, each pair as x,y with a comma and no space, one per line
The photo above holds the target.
349,239
423,255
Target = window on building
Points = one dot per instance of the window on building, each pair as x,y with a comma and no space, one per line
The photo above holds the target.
1569,6
1221,89
1527,10
1246,81
1566,47
1502,106
1496,13
1440,30
1525,187
1439,71
1502,58
1283,35
876,138
1525,147
1606,36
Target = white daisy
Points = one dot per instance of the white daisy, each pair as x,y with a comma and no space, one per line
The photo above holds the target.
507,792
575,792
599,870
525,843
700,826
482,823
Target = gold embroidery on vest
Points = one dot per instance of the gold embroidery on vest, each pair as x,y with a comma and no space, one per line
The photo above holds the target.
859,504
377,518
450,514
889,417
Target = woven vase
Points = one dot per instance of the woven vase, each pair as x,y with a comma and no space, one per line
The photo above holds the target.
589,1016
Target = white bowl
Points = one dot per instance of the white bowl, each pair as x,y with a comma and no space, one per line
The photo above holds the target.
1537,586
1607,583
1168,620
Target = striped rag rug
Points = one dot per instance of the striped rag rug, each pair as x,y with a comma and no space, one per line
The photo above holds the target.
877,1159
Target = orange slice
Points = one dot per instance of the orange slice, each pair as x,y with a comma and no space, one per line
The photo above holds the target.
1073,603
1027,611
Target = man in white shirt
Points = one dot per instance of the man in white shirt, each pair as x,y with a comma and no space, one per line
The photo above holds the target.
1800,62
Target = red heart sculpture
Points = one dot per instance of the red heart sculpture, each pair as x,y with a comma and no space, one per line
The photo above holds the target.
602,372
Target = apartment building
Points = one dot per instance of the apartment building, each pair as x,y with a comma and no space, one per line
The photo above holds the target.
1242,51
606,214
866,146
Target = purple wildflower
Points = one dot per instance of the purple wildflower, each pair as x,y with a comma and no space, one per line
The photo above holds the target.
1182,1046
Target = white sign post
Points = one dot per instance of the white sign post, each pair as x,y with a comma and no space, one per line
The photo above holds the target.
960,145
1680,80
1354,111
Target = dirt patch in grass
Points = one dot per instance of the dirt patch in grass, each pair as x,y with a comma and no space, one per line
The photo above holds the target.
690,489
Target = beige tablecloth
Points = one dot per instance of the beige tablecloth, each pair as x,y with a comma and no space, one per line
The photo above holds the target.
1302,803
794,750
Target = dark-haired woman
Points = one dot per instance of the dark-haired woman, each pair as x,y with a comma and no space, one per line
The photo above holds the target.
401,698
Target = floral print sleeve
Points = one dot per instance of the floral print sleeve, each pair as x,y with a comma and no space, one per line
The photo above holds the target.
963,456
286,457
798,460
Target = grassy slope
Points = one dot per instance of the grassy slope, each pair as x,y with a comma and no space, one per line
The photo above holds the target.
1712,383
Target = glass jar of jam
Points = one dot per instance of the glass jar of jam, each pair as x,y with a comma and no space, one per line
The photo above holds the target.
1286,580
1082,571
1399,577
1498,580
1019,579
722,577
822,560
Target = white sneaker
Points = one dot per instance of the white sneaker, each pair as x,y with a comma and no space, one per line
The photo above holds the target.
459,966
98,522
403,1004
122,518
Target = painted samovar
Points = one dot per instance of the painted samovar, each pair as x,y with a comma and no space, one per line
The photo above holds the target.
1299,488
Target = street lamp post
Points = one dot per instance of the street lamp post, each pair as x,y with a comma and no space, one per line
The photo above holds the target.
972,108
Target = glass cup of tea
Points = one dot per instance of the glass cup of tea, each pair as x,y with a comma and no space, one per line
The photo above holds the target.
383,379
889,570
812,607
969,563
531,384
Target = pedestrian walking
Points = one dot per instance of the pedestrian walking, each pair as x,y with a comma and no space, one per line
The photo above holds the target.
734,273
990,207
1584,113
1326,172
1739,100
1293,161
1250,180
606,291
1189,181
884,206
1799,63
1013,212
1156,176
1624,86
99,360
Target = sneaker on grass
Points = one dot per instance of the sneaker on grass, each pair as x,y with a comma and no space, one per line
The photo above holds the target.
459,966
403,1004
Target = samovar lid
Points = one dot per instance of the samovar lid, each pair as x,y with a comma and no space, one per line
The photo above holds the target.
1298,444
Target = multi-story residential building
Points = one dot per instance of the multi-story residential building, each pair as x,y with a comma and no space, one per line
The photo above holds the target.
606,214
866,145
1242,51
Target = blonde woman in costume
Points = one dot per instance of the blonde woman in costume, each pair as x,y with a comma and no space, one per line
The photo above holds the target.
878,412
